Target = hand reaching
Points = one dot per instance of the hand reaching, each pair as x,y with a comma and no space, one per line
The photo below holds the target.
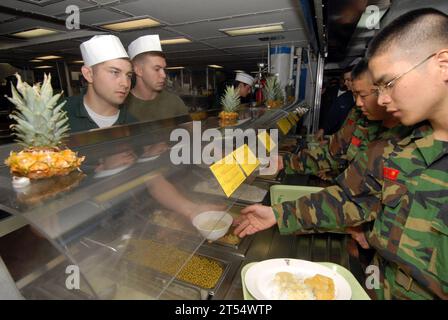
279,163
357,234
254,218
323,176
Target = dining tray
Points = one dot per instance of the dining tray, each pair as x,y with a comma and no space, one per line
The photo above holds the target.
358,292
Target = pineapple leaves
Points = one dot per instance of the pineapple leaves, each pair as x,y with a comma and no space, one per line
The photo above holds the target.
272,89
46,90
39,122
231,99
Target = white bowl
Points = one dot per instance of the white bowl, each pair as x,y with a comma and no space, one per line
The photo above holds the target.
213,224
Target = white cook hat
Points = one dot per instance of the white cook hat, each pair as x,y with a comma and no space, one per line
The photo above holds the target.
144,44
245,78
102,48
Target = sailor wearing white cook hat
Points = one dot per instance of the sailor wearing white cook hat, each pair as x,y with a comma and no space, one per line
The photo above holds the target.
148,100
102,48
149,43
244,83
108,71
245,78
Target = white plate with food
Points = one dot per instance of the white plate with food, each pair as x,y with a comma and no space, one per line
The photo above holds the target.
294,279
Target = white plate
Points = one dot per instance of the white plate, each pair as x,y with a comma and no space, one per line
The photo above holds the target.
259,277
111,172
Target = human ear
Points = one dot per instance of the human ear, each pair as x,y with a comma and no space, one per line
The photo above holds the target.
87,73
442,60
138,69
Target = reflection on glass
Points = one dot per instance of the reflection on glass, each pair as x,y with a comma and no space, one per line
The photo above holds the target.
153,151
115,163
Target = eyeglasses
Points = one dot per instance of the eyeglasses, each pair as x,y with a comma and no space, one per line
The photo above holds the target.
386,88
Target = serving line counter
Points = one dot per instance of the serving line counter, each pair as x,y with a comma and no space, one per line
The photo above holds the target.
121,228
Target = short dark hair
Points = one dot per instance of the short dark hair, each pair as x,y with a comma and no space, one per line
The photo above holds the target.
347,69
236,83
413,29
360,68
140,56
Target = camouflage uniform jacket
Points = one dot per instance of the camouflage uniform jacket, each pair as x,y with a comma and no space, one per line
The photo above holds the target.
342,148
401,185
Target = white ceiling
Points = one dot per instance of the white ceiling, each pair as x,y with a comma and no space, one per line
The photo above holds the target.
198,20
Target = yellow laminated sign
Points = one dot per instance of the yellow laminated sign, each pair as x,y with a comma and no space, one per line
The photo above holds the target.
284,125
293,118
246,159
228,173
266,140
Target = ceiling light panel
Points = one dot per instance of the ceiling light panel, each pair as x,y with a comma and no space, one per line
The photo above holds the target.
48,57
215,66
132,24
34,33
174,41
244,31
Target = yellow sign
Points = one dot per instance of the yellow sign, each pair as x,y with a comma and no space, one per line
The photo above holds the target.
291,119
228,173
246,159
284,125
266,140
295,116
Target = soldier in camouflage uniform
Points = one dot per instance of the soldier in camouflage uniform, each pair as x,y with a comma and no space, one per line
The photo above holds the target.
400,184
412,236
329,157
360,128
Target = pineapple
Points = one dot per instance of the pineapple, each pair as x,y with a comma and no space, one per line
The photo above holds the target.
230,103
41,126
273,93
